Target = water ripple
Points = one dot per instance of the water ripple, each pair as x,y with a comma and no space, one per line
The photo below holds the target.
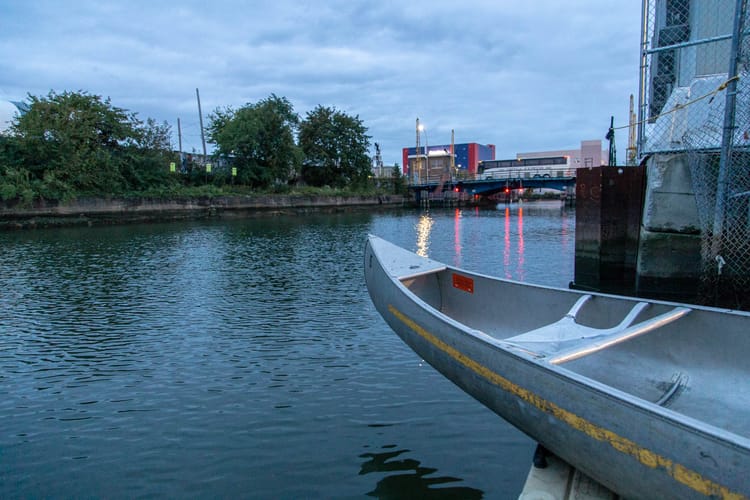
215,359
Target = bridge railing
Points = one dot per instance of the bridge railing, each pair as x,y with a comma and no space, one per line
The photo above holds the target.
526,173
502,174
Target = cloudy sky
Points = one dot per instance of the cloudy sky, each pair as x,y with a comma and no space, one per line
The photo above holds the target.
525,75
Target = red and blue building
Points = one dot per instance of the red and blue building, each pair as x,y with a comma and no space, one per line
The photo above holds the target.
431,161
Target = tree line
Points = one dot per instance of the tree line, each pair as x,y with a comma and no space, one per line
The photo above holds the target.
72,144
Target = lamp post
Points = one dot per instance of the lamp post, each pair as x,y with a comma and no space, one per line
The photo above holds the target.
415,174
420,128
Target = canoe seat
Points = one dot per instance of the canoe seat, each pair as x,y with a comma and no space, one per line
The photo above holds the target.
567,328
566,340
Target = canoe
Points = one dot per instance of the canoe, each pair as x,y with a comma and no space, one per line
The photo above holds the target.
649,398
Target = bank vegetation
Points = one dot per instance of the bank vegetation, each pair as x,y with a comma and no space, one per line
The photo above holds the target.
75,144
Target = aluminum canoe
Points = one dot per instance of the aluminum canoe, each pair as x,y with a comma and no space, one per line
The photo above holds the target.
649,398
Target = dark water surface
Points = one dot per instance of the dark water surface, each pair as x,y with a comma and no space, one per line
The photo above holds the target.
244,359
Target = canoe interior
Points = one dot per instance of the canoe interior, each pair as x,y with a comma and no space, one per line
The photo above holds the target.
695,364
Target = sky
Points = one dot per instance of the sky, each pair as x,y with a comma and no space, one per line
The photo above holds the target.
524,75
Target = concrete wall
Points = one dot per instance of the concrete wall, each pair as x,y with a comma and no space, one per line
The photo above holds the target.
114,210
669,252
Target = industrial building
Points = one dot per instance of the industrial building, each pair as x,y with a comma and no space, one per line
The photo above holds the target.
590,154
472,159
431,163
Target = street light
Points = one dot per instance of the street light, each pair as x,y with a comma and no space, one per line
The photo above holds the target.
417,162
426,152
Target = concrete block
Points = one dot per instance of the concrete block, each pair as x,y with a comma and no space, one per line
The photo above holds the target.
669,266
669,255
669,205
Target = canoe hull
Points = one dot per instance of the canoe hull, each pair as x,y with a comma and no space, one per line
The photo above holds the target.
630,447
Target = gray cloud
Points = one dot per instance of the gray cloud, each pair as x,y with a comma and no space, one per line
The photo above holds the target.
522,75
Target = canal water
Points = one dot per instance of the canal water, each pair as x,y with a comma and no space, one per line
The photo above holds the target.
244,358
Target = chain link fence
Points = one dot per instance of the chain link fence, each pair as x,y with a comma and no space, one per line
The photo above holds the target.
695,101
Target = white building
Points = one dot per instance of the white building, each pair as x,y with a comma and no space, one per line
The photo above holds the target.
590,154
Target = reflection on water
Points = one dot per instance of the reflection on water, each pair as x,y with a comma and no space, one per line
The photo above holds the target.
506,243
457,237
424,226
412,480
520,267
565,231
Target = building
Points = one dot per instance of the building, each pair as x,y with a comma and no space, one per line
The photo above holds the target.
432,163
558,163
590,154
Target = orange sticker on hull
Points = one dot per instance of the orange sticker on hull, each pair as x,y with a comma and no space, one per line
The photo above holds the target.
463,283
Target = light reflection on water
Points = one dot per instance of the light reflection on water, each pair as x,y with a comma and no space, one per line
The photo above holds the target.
423,234
496,242
245,358
457,237
520,265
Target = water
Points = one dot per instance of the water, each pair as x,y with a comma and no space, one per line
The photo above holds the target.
244,359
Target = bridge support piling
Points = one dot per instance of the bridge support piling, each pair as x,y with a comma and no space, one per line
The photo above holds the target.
609,203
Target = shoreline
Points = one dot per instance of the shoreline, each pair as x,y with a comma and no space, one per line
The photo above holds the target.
110,211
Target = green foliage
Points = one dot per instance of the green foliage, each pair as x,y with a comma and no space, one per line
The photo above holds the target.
74,144
149,156
77,137
258,139
335,147
399,182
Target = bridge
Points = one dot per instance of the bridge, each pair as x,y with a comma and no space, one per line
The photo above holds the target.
484,185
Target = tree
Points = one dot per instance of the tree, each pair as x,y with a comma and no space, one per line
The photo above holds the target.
74,141
148,156
335,147
399,186
258,139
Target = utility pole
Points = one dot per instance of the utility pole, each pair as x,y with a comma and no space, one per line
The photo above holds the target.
611,138
200,117
417,159
632,150
179,142
179,136
453,156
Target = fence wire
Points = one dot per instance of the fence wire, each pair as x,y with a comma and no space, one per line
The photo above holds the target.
695,101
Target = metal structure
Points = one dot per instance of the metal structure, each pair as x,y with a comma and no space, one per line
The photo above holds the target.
632,151
695,101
